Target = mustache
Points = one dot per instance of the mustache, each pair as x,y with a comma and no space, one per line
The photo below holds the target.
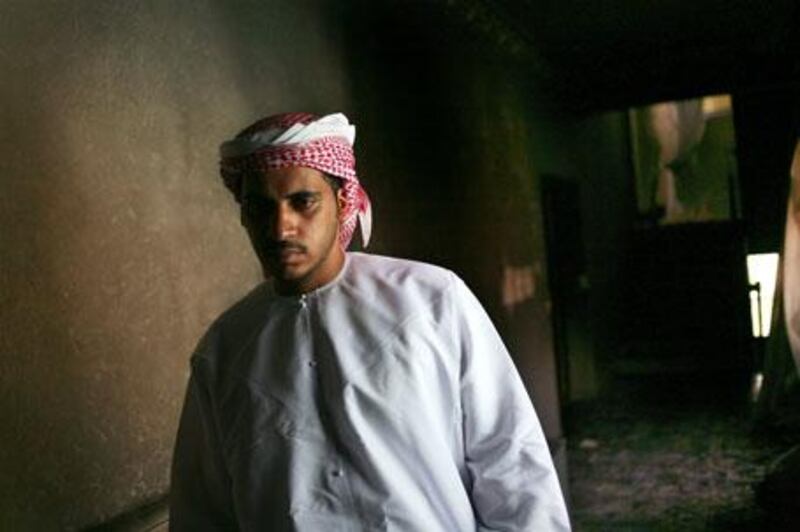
274,247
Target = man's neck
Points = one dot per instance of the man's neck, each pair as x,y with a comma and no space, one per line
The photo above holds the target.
322,275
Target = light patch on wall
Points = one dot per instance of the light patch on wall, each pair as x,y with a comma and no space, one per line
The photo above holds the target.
519,285
718,105
756,385
762,270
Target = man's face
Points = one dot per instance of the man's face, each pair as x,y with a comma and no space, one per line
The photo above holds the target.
292,217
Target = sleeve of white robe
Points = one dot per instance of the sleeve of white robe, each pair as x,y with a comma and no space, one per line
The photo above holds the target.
514,486
200,486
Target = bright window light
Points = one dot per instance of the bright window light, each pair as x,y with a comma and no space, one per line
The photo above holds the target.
756,385
762,269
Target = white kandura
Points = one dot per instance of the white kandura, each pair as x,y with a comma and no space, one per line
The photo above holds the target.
388,403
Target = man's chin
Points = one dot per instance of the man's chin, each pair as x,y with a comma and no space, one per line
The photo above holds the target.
286,273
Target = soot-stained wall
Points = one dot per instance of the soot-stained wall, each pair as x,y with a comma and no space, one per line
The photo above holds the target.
118,244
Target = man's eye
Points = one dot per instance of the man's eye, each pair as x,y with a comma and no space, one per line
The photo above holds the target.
256,209
303,202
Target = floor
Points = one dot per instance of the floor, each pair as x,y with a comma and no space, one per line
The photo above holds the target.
153,517
670,453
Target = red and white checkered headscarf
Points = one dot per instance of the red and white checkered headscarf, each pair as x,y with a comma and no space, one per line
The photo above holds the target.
302,139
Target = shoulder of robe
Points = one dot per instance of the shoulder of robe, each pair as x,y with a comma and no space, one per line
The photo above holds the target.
365,268
405,289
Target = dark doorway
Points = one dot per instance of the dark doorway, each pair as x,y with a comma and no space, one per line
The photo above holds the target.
569,285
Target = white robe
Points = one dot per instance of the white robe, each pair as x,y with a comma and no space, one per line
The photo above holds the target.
383,401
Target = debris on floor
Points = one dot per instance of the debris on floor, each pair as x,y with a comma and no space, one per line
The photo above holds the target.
668,465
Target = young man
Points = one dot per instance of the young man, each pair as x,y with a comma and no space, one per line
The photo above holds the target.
349,392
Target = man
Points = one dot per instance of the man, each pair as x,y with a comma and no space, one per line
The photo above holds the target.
350,392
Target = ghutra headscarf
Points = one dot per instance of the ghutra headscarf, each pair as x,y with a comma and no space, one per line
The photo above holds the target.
302,139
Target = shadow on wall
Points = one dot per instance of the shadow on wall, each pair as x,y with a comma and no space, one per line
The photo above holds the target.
409,126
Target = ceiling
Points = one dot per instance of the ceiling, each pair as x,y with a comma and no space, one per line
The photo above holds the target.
614,53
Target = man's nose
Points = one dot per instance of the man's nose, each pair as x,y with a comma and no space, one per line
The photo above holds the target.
284,223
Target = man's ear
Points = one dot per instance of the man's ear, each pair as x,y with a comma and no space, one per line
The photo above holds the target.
341,202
